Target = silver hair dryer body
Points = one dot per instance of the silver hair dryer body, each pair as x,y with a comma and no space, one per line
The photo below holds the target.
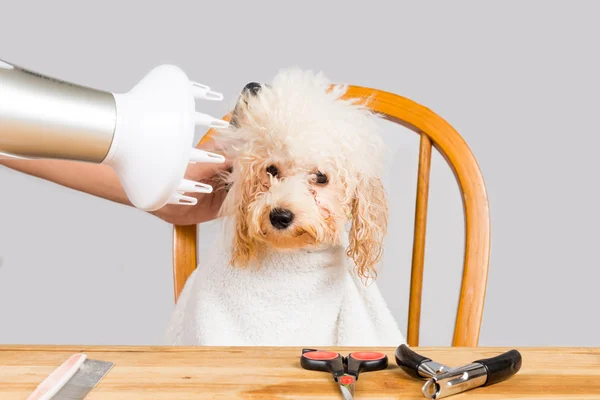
42,117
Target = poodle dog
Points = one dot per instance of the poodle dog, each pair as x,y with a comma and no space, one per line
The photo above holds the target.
306,216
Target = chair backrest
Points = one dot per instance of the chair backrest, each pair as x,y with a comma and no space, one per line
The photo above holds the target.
434,132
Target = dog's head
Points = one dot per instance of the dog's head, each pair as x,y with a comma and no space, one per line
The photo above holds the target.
306,162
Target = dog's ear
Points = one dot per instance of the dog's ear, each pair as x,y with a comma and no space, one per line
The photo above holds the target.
369,226
252,89
243,184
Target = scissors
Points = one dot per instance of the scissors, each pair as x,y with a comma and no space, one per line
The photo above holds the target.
345,370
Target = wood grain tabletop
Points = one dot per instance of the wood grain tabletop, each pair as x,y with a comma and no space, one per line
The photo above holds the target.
274,373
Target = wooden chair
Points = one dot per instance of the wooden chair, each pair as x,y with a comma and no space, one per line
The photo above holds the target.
436,132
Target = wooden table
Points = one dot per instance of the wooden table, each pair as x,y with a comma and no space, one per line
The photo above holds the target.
274,373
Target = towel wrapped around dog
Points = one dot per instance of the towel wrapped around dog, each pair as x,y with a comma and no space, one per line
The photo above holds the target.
295,298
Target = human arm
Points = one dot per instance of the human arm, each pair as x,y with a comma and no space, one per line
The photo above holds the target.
102,181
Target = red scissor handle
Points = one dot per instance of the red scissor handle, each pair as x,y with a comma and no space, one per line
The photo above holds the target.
365,361
327,361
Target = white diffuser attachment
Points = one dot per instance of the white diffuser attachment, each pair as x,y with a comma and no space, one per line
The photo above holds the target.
153,141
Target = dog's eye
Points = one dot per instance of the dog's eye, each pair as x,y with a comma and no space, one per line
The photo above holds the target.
322,178
271,169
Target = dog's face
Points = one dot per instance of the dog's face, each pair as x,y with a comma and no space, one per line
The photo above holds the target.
305,164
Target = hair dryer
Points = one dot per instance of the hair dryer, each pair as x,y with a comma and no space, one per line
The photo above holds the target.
146,135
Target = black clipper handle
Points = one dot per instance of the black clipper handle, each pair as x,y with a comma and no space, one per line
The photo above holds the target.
410,361
501,367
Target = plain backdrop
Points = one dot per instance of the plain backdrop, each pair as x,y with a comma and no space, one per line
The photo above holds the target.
518,79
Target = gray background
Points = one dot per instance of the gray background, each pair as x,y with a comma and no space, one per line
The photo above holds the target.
518,79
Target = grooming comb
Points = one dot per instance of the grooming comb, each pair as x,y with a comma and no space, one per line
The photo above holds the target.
73,380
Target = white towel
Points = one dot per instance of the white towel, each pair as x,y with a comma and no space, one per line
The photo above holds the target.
300,298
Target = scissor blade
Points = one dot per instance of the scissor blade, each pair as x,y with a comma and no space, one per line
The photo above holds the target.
347,391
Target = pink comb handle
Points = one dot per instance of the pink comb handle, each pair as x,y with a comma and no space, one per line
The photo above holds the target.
58,378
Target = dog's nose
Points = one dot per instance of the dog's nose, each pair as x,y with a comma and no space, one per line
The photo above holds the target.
281,218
